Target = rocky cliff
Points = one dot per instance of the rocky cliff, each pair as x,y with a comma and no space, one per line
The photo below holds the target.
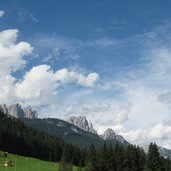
109,134
81,122
17,111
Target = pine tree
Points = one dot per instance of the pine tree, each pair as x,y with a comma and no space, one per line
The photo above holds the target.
111,158
92,161
120,157
153,161
103,161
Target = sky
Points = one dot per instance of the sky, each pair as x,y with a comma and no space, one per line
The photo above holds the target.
108,60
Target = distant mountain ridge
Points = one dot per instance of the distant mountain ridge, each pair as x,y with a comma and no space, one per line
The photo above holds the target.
17,111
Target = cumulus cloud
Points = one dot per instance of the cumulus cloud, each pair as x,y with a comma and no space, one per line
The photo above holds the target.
11,52
161,131
2,13
135,136
11,60
7,89
40,83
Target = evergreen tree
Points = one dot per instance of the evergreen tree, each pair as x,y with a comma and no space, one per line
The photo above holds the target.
141,158
111,159
103,159
120,157
153,161
92,161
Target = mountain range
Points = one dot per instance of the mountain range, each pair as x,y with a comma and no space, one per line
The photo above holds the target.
75,130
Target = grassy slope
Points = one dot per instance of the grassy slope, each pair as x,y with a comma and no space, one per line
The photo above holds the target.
28,164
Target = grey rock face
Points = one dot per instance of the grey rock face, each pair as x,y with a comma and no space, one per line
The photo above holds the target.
17,111
109,134
81,122
29,113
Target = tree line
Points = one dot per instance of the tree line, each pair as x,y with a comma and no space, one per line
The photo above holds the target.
130,158
19,139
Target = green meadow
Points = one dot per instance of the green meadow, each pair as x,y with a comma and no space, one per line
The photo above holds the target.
20,163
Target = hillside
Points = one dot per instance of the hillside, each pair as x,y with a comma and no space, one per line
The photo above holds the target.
21,163
17,138
70,133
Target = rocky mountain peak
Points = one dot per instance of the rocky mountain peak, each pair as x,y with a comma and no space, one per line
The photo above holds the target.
109,134
81,122
17,111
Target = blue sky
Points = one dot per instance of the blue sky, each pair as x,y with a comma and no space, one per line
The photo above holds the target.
108,60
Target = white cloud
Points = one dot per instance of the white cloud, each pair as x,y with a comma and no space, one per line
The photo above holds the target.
40,84
11,60
11,52
37,86
85,81
161,131
121,117
135,136
7,89
2,13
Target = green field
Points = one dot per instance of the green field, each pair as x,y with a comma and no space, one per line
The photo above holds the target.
20,163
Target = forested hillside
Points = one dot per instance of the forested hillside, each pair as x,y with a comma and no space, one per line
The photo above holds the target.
16,138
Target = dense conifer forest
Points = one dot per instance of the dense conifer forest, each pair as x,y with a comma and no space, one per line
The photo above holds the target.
17,138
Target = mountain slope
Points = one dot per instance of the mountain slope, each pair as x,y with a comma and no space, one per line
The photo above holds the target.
70,133
77,130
